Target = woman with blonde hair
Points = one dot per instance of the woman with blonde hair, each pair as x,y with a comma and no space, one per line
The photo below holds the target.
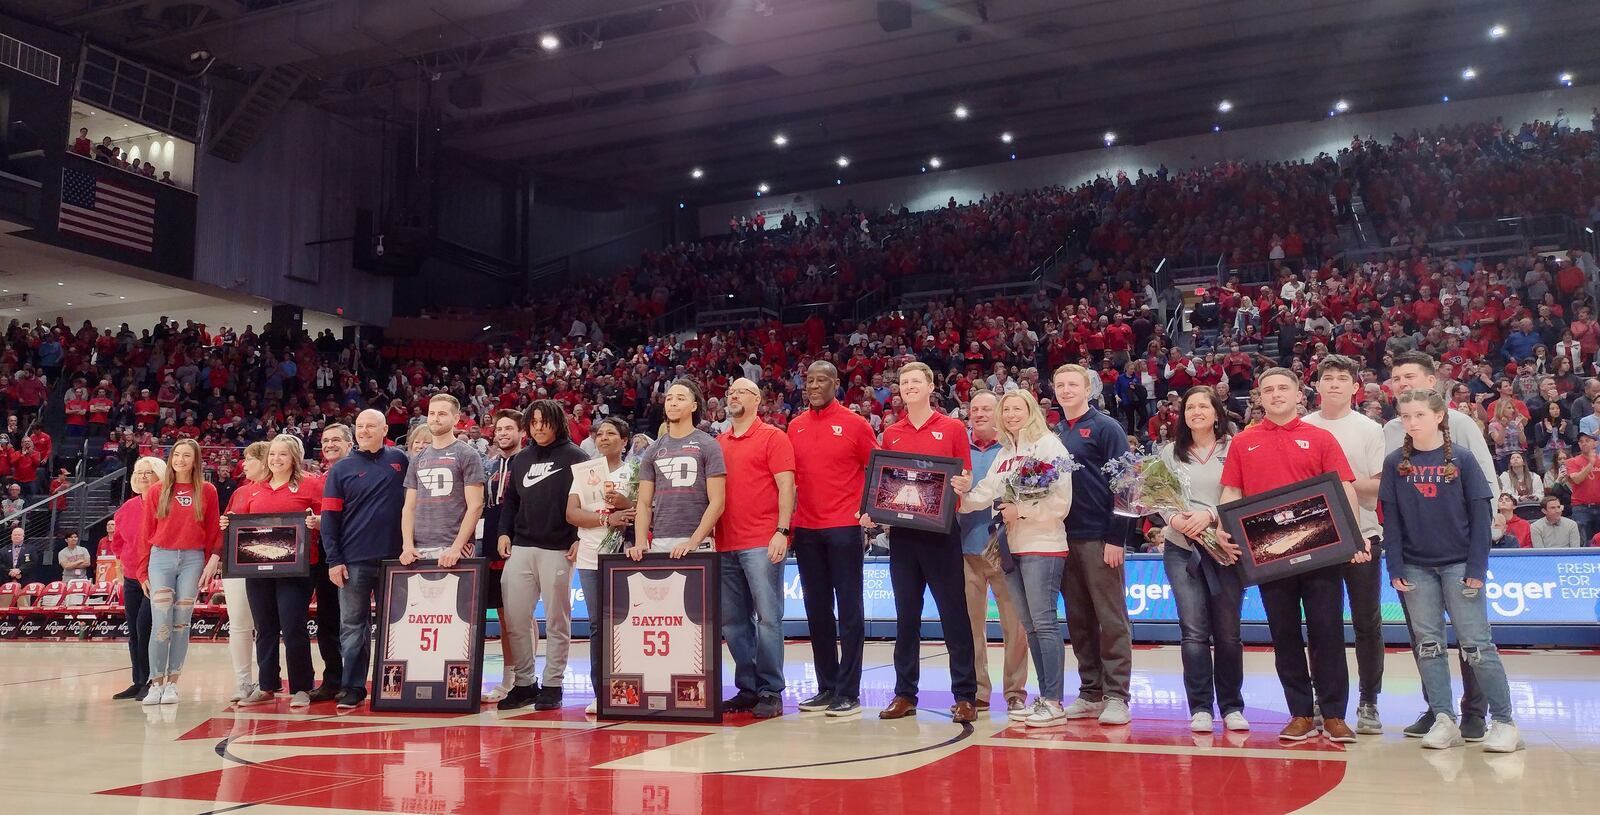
279,604
178,534
241,623
128,521
419,438
1036,539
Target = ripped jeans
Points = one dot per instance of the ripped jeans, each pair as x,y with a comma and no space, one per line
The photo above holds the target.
174,583
1438,590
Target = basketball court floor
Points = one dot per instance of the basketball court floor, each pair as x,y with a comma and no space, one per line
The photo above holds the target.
65,747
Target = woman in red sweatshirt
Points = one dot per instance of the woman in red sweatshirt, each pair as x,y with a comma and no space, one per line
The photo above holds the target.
178,535
279,604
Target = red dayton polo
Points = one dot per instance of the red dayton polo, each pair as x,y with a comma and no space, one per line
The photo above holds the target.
750,511
1267,456
831,450
941,435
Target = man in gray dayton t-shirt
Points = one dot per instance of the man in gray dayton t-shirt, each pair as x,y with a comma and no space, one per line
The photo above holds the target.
441,476
679,469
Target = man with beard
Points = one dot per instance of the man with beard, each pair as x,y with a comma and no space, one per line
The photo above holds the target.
507,442
831,445
336,443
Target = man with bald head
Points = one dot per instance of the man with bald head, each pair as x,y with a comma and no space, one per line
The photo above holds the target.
831,448
753,541
335,445
361,503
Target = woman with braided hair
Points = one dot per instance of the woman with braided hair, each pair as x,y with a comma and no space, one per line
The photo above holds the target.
1436,526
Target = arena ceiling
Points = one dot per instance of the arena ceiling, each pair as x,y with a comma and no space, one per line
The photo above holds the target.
639,95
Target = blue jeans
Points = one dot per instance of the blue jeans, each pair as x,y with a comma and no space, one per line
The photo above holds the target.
1035,585
1436,591
355,621
1212,652
174,583
1588,518
752,620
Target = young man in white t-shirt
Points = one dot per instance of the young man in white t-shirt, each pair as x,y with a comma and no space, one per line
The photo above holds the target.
1338,385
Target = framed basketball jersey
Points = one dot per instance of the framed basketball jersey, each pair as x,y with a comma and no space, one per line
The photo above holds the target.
429,653
660,638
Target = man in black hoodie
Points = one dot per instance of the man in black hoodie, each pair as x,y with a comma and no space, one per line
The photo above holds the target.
539,545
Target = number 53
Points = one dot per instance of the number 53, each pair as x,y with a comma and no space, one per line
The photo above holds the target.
657,643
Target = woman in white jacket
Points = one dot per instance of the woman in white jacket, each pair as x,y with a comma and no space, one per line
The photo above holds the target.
1037,540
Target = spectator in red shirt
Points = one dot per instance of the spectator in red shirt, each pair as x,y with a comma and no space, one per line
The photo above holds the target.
180,532
146,409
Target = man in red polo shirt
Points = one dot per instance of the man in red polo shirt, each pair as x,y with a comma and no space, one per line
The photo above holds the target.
1279,451
928,560
832,446
753,539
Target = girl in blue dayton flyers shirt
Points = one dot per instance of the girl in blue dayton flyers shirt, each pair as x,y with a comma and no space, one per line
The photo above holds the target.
1436,518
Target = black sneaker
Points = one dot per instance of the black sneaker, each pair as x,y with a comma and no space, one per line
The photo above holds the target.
351,698
818,703
133,691
548,698
1473,728
844,706
742,702
325,693
768,707
1421,726
520,696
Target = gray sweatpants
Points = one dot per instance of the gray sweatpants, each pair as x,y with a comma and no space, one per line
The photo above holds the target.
530,574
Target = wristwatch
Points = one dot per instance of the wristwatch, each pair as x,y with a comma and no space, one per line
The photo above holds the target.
783,530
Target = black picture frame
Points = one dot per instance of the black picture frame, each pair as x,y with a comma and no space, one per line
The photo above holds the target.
1323,529
638,683
432,638
252,541
890,474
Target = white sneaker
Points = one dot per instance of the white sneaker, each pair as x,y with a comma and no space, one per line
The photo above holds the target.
593,708
1200,722
1115,712
243,692
300,699
1082,708
153,697
1236,722
1504,737
1444,734
169,693
497,694
1024,713
1046,713
256,696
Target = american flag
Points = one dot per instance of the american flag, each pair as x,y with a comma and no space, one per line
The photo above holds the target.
107,211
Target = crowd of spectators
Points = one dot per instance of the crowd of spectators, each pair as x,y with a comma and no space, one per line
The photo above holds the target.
1517,335
108,153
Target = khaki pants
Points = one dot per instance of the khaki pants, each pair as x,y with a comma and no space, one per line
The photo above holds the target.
981,578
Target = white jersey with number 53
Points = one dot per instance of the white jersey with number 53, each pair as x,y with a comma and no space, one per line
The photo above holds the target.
656,638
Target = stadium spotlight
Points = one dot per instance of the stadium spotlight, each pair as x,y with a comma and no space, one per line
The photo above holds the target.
1497,31
842,161
762,188
1224,106
697,173
549,42
935,163
780,140
962,112
1469,73
1341,106
1006,137
1565,79
1110,138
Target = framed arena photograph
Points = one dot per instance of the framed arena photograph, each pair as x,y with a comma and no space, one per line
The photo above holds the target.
1292,529
429,652
911,491
266,545
661,647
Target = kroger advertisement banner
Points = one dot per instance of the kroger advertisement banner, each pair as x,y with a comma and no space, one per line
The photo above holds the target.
1525,587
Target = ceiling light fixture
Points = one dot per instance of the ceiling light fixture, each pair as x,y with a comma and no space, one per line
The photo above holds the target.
935,163
1469,73
1110,138
762,187
549,42
697,173
962,112
842,161
1497,31
1565,78
1341,106
1224,106
1006,138
780,140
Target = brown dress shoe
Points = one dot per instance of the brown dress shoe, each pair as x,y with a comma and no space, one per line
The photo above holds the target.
965,712
1338,731
1299,728
900,708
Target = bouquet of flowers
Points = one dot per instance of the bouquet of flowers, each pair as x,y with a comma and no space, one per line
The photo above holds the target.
616,538
1031,479
1145,485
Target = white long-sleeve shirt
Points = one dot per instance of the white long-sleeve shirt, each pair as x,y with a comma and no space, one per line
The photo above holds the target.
1039,530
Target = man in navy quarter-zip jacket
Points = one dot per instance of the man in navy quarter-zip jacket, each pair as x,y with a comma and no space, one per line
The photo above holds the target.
1097,615
361,503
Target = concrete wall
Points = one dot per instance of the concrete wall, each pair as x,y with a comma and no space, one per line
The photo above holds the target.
1296,140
